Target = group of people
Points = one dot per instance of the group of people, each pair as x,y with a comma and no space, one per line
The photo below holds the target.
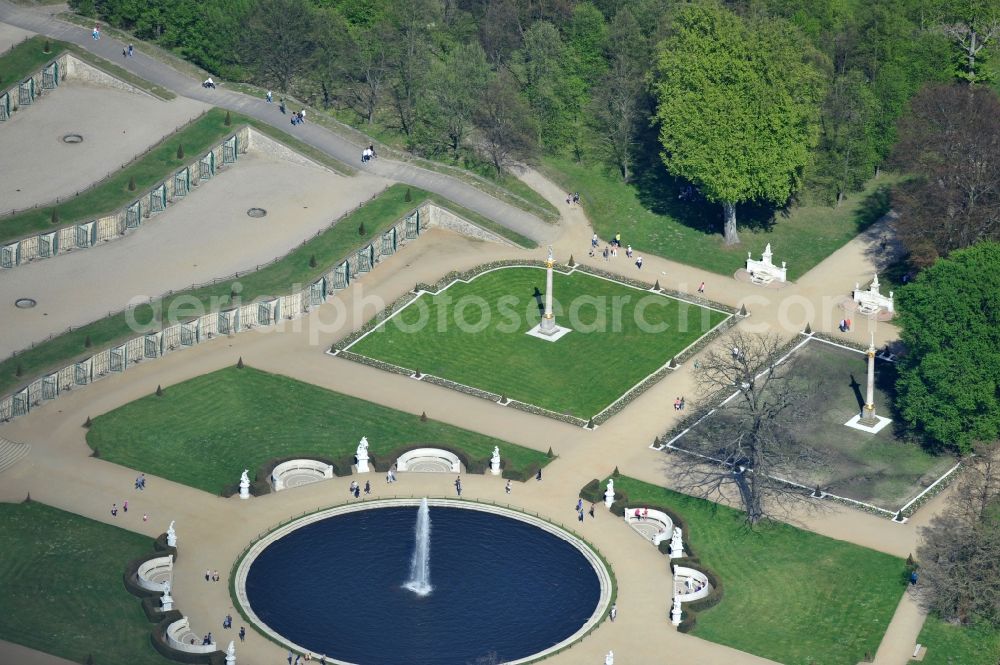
368,154
579,510
212,576
355,489
128,51
227,623
641,514
845,325
572,198
114,508
295,659
679,404
298,117
611,249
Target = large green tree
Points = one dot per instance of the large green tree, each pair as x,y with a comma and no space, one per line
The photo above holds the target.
949,380
738,106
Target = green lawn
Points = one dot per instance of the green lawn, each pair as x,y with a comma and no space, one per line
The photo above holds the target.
948,644
61,586
205,431
159,163
789,595
607,352
886,469
652,219
25,59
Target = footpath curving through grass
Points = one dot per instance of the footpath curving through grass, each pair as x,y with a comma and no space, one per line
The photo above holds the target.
789,595
61,586
474,333
205,431
949,644
652,219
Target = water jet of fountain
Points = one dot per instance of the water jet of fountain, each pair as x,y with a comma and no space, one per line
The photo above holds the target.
420,566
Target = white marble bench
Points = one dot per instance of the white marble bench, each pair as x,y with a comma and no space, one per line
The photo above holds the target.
690,584
155,573
429,460
655,527
179,635
298,472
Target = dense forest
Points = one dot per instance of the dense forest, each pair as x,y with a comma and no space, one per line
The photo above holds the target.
771,101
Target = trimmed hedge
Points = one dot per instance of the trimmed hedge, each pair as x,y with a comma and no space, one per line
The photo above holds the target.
521,475
690,610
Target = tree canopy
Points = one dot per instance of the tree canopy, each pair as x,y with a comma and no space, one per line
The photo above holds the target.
949,380
738,106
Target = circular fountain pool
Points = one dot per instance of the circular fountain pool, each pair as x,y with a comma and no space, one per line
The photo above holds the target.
502,582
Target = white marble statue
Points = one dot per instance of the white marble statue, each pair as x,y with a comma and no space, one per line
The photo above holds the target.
166,601
609,495
362,454
171,535
231,653
495,461
610,658
245,484
675,613
677,544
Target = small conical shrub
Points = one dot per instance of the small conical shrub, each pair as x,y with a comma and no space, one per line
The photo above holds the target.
616,473
361,229
656,441
18,371
86,342
86,423
312,261
180,151
159,391
229,120
590,424
333,348
408,196
656,287
743,310
673,362
808,329
503,399
423,417
571,262
54,218
131,184
27,499
417,374
96,453
550,454
48,47
239,363
909,561
90,660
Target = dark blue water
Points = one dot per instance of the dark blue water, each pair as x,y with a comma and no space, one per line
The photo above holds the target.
335,588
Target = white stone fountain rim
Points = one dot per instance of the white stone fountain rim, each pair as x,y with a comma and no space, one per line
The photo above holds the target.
603,576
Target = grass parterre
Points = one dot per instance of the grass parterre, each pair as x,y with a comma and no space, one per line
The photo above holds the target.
61,586
474,333
790,595
205,431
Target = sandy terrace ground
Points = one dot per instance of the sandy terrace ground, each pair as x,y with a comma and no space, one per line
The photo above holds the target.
116,126
204,236
11,36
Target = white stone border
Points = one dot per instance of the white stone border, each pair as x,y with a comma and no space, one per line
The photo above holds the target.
572,271
255,549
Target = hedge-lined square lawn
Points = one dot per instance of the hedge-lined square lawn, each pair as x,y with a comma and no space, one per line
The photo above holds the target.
474,333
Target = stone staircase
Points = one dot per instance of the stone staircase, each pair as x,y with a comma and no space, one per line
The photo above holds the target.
11,453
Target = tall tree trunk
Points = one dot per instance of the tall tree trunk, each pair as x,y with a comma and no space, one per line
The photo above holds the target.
729,230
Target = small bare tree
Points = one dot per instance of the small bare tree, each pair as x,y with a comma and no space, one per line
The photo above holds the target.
747,447
960,556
